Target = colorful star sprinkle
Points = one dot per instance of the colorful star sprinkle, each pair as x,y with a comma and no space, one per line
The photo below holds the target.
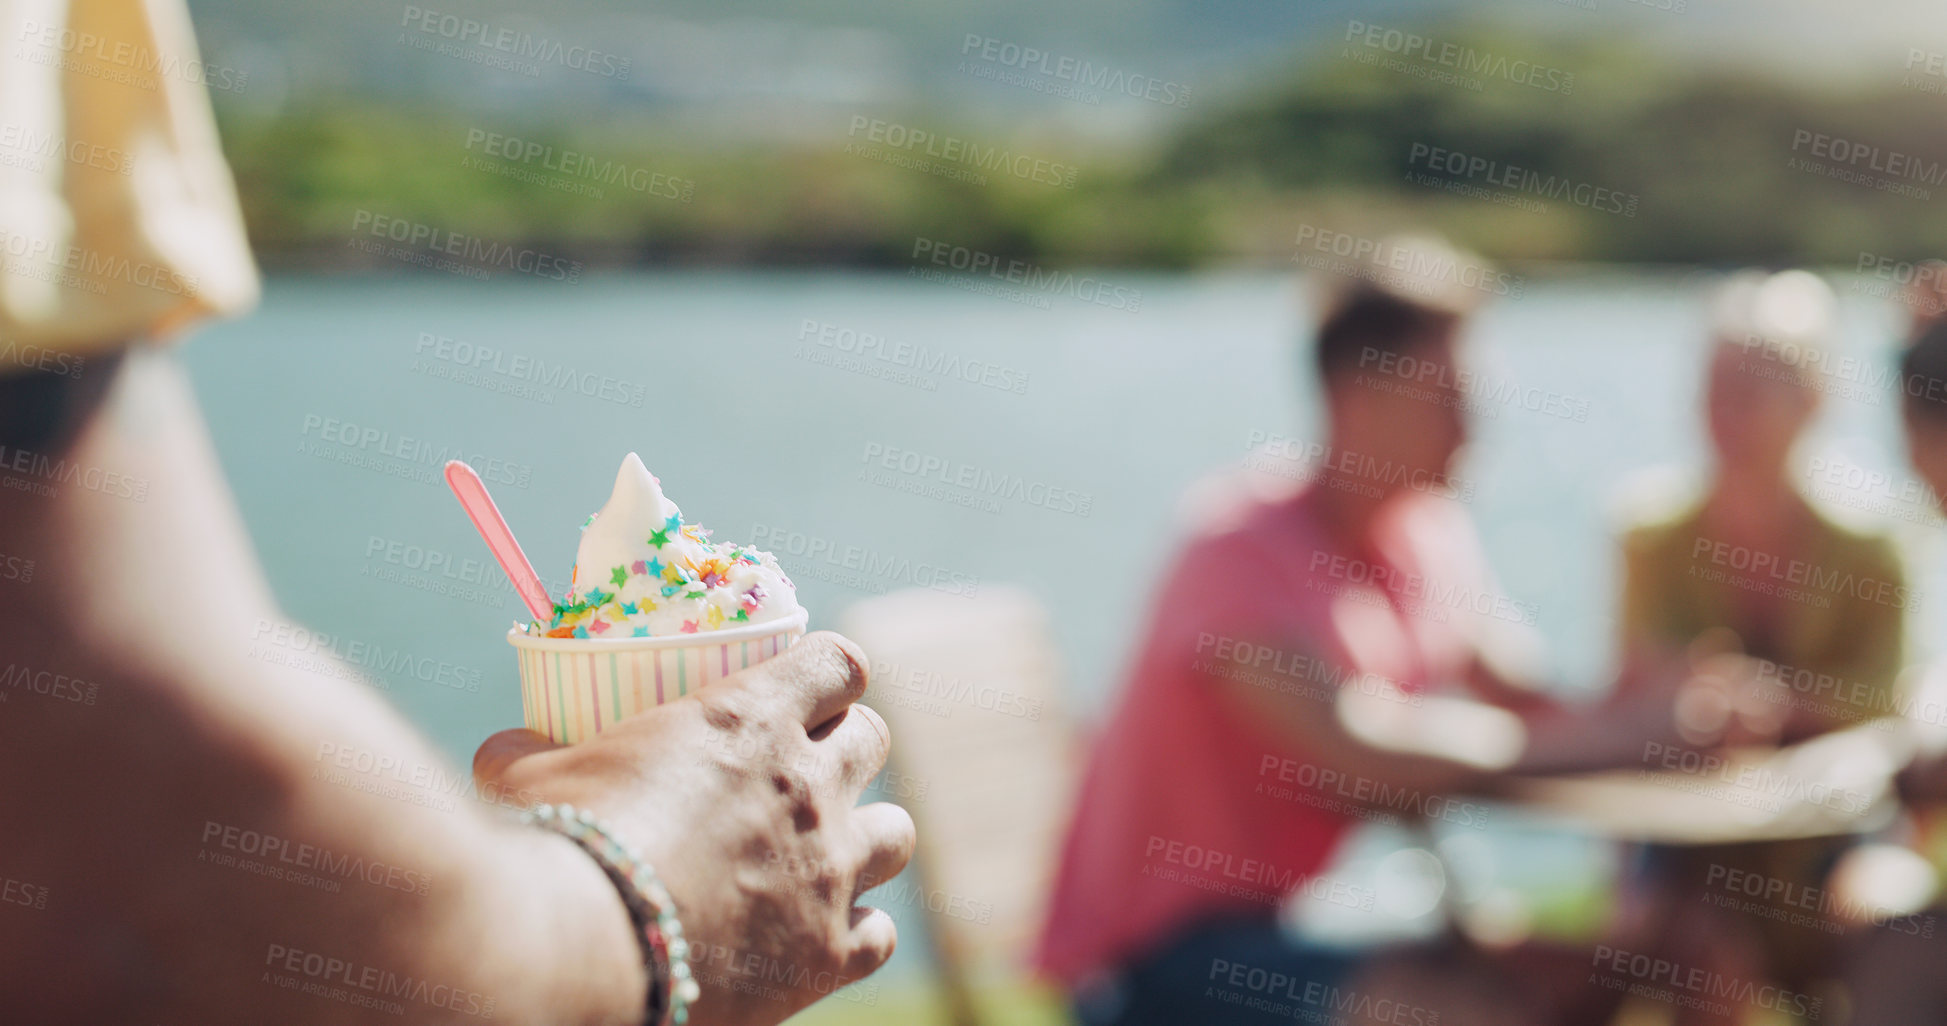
682,582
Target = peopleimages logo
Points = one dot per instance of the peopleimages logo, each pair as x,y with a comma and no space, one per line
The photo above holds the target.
40,474
1426,49
38,146
41,358
1365,791
1405,266
938,693
1289,997
574,164
1346,470
1801,904
1420,595
1030,276
479,253
1518,181
972,481
417,458
516,369
356,983
1873,158
1221,872
441,573
1487,391
390,662
49,684
1747,784
1767,573
25,895
1915,286
16,568
995,159
297,858
859,565
79,267
1013,56
515,43
923,362
747,972
1695,986
136,65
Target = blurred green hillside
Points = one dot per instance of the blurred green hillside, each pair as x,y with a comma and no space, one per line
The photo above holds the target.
1716,165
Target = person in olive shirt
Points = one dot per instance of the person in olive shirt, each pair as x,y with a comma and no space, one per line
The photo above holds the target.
1751,566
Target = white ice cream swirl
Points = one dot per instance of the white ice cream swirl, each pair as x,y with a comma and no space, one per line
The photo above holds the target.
641,572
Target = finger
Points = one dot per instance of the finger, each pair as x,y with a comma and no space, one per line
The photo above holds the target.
858,741
815,678
889,839
498,753
874,937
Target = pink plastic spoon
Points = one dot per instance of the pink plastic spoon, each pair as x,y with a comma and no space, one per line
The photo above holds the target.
480,508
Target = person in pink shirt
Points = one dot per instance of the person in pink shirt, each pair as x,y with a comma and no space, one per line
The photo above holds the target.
1310,654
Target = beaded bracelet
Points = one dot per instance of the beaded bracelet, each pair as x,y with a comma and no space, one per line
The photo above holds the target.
672,988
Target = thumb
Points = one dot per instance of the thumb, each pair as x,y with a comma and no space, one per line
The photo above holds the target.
499,753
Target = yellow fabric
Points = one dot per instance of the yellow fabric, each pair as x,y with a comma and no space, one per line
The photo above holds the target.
118,217
1845,616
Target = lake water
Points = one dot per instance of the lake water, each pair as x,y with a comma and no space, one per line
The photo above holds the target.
334,405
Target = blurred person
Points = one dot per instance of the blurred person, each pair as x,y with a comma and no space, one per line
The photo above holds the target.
1739,568
1311,652
1925,297
1736,563
1892,974
142,745
1923,408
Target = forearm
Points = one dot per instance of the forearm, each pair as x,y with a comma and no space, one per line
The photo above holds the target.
179,796
1609,736
218,851
503,922
1366,737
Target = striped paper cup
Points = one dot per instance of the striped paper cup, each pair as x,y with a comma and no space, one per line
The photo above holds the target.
571,688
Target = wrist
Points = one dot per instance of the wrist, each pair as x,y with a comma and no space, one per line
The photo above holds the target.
652,913
585,932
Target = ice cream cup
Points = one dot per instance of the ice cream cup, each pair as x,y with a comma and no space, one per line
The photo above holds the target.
573,688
